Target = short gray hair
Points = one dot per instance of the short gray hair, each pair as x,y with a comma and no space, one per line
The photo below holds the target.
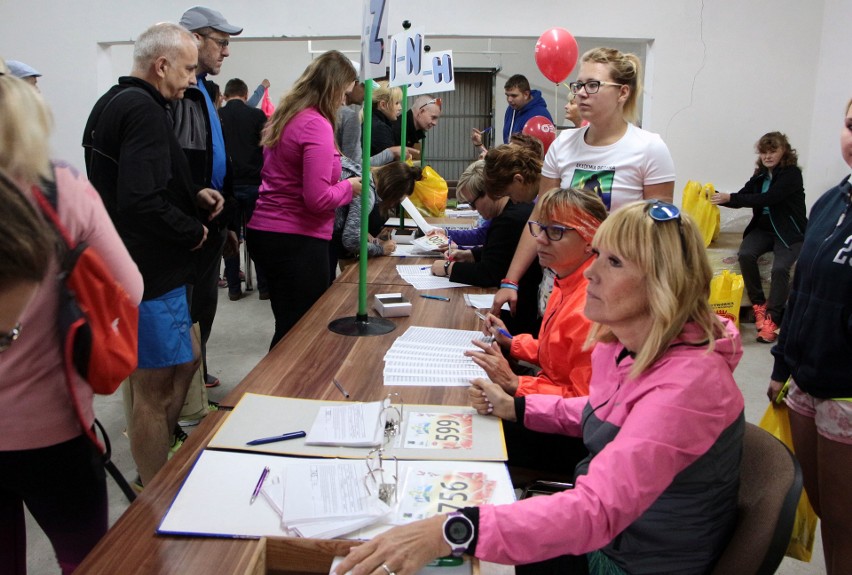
163,39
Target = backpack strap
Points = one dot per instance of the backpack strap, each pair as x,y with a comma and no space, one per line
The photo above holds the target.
128,90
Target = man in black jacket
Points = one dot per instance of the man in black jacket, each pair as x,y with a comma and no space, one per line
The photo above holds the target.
137,166
197,126
242,126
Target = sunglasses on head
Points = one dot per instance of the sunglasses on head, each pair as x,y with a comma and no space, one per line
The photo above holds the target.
660,211
436,101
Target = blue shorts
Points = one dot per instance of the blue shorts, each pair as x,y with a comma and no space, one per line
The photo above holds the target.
165,331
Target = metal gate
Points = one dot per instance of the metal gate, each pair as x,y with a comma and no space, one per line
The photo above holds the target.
448,148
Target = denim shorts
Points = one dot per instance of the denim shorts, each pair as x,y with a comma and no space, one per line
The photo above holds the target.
165,331
832,417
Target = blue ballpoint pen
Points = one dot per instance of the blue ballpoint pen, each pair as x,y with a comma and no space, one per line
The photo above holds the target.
285,437
438,297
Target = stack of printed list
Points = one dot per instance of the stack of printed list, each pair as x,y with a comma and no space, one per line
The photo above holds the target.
433,357
323,498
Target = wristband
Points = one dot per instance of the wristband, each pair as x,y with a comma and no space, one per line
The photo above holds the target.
447,268
509,286
508,281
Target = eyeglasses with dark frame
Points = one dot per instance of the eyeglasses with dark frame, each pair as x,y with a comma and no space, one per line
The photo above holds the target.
472,202
8,338
660,211
554,232
436,101
591,87
223,42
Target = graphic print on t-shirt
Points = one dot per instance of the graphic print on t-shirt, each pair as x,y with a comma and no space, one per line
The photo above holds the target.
598,181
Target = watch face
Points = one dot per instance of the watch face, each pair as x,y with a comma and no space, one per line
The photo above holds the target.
458,530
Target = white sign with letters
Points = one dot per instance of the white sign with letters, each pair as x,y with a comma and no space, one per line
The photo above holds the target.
437,75
374,34
406,56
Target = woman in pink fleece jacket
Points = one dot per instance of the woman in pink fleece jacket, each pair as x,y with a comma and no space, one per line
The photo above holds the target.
47,461
663,424
290,231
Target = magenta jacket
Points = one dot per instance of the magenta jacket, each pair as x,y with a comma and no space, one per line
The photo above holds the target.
664,467
300,186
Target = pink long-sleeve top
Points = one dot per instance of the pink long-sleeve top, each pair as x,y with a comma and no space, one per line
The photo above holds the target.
663,422
37,406
301,184
566,367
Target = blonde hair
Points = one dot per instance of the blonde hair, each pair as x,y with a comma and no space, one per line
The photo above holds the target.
320,86
25,125
27,244
383,92
673,260
625,69
471,184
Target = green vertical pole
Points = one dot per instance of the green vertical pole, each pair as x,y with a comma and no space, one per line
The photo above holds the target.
366,138
403,144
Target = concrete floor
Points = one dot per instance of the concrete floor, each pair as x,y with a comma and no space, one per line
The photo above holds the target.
240,338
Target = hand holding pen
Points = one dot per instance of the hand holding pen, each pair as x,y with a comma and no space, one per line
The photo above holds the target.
494,326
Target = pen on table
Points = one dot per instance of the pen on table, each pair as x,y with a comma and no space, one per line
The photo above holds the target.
340,387
259,485
438,297
446,562
275,438
425,268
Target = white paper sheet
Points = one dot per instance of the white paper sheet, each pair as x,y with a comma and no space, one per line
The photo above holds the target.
432,357
423,279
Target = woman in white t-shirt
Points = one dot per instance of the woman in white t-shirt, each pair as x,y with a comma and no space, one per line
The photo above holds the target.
610,155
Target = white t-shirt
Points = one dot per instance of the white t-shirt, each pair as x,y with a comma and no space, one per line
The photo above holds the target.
618,172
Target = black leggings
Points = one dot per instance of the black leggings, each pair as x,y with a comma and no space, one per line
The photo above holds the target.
297,274
64,488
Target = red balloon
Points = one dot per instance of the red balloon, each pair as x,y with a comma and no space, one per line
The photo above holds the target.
556,54
541,128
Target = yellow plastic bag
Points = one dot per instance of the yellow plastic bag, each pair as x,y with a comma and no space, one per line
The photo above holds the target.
726,295
776,421
696,203
430,194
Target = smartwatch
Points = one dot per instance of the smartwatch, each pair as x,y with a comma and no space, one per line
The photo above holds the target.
447,265
458,533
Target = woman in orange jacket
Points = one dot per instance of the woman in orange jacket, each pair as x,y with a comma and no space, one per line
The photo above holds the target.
568,221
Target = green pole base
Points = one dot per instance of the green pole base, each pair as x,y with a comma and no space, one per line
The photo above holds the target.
359,326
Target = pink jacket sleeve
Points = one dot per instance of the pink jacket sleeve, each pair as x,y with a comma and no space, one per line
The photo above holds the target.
322,190
670,426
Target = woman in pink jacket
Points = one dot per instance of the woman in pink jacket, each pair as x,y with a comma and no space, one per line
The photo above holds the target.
47,460
658,492
290,231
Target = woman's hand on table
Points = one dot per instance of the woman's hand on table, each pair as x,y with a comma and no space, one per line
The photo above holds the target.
457,255
488,398
403,550
491,359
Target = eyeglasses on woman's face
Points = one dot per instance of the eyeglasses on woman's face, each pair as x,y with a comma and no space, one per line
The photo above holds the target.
591,87
554,232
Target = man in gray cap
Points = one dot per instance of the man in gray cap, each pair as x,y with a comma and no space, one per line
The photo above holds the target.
23,71
197,126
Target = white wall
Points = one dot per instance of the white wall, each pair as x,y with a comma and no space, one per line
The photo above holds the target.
721,72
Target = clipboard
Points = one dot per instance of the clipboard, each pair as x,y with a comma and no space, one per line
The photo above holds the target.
258,415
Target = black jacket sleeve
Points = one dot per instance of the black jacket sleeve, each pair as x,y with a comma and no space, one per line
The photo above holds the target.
502,239
785,185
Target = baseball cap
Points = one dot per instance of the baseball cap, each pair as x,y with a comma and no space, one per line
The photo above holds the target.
199,17
21,70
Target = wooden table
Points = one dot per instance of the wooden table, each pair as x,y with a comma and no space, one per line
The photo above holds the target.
301,365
